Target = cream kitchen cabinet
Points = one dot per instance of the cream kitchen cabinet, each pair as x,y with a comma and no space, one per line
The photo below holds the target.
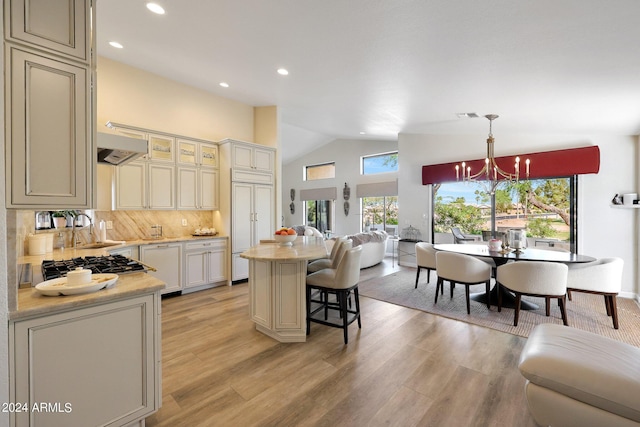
250,156
100,365
247,198
166,258
128,251
145,185
50,124
197,172
197,188
253,218
49,133
62,27
205,264
196,153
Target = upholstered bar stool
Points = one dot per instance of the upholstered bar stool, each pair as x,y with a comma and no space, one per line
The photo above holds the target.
463,269
425,258
341,281
534,278
332,261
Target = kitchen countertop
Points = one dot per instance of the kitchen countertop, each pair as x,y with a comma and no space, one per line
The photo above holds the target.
302,248
68,253
31,303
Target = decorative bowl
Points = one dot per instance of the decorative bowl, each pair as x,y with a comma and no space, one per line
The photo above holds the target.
285,240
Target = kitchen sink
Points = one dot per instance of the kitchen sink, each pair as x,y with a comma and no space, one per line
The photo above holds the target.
97,245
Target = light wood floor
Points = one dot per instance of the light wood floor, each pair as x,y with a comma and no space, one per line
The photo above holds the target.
403,368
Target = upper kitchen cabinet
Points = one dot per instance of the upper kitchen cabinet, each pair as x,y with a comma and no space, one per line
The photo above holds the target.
162,148
249,156
60,26
196,153
50,119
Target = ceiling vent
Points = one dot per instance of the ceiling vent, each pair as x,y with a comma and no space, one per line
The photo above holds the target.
467,115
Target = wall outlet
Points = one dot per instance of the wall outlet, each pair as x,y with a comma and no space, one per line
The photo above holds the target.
184,222
109,225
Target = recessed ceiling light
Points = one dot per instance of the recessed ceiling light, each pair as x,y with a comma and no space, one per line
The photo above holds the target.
224,84
363,133
283,71
155,8
116,45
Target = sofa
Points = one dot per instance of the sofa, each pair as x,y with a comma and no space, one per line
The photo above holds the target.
576,378
374,246
305,230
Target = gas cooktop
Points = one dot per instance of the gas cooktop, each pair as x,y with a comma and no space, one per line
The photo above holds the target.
117,264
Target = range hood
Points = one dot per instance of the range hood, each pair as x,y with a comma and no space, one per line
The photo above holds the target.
117,149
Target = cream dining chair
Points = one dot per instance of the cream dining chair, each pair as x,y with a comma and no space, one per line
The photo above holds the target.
602,277
461,269
534,278
425,258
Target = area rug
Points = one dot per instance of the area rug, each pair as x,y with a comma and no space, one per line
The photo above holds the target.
585,311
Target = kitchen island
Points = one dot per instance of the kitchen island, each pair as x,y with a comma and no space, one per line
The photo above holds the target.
277,286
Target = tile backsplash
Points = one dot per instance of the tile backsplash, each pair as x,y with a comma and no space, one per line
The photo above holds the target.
127,225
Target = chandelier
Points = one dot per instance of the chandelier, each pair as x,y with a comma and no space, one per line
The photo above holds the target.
491,171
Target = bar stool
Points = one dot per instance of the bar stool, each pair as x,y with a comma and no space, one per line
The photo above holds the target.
341,281
332,261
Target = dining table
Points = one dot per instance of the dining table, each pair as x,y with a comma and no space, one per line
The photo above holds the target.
502,257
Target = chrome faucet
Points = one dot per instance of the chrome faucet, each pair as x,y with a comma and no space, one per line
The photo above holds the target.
74,239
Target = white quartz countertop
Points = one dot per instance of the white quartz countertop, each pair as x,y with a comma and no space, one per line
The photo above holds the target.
302,248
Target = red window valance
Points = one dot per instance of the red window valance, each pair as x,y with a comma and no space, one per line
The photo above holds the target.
547,164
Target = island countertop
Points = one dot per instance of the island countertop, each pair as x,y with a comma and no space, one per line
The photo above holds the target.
302,248
31,303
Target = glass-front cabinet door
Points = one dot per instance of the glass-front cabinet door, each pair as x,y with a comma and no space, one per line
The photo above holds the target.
209,155
161,148
187,152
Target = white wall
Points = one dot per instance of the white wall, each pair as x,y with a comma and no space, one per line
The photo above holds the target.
346,154
603,231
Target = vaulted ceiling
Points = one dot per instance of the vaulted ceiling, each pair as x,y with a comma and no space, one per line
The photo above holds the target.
388,66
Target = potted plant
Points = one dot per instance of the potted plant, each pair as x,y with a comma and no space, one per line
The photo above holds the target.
60,219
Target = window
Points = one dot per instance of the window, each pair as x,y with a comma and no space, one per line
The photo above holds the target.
380,213
323,171
546,208
380,163
319,214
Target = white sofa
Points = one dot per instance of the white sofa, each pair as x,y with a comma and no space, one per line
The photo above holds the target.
576,378
374,245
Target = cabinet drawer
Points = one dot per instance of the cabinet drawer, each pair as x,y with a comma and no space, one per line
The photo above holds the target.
240,175
206,244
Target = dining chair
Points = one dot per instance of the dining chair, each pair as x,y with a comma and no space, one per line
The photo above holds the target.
534,278
332,261
342,281
458,237
463,269
425,258
602,277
